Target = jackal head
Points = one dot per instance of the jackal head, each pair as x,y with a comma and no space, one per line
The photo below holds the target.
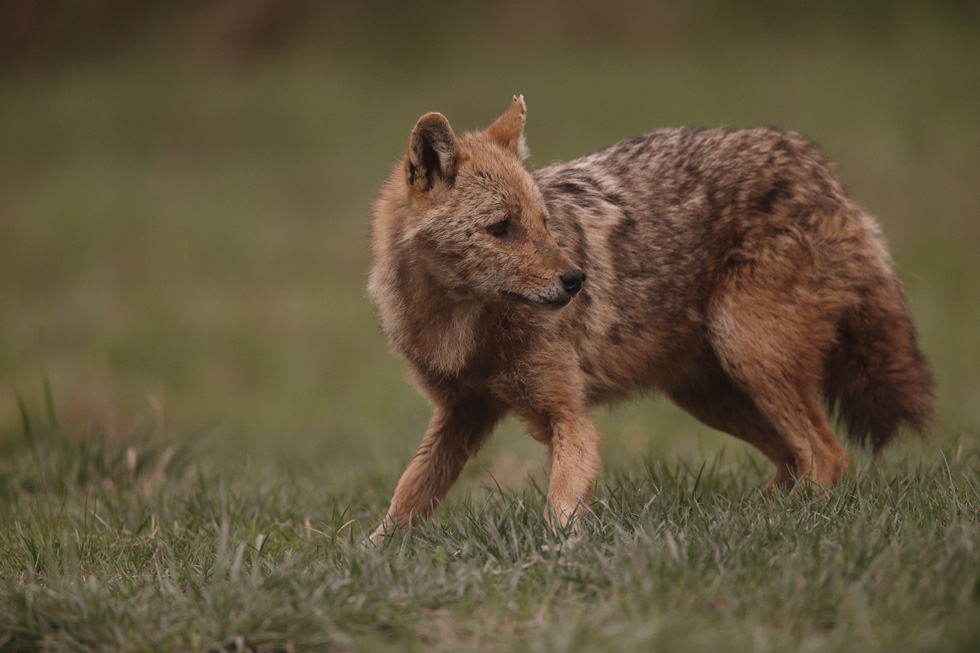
476,224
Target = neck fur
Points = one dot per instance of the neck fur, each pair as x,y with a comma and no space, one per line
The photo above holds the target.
425,325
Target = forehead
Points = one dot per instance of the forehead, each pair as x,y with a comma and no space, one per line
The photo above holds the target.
493,173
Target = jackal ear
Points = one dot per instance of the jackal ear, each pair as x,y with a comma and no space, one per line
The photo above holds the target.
508,130
433,153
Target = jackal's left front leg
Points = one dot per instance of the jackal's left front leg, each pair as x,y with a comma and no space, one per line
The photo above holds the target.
574,460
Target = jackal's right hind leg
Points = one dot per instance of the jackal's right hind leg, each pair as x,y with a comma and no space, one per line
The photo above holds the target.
713,398
772,350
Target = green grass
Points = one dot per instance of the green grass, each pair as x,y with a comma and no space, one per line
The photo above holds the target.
128,545
199,418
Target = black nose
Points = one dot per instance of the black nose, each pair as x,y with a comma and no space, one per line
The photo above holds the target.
572,281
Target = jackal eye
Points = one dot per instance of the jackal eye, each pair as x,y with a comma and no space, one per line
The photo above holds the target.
498,229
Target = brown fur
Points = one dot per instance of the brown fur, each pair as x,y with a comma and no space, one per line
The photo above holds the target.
725,269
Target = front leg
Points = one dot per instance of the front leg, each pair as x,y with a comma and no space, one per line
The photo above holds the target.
574,460
456,432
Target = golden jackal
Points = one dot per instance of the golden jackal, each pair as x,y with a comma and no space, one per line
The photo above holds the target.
725,269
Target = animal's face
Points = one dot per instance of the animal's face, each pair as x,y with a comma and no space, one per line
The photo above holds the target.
480,225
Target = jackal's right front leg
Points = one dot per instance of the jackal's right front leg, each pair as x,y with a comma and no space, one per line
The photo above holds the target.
455,434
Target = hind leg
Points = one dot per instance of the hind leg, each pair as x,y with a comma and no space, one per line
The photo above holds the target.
771,345
714,399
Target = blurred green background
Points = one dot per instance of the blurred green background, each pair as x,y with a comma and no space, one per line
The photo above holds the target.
185,190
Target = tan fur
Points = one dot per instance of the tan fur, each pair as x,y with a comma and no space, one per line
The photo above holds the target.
725,269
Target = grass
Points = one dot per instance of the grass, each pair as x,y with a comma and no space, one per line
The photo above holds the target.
128,545
183,260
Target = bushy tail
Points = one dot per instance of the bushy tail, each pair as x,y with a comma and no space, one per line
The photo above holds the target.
876,377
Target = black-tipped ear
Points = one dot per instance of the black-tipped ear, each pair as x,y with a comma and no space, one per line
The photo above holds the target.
433,153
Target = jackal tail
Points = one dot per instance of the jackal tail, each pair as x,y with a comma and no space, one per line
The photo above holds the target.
875,378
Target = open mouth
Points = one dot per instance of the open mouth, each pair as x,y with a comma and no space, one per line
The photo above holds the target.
550,304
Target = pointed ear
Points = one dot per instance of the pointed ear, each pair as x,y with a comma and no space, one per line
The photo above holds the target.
508,130
433,153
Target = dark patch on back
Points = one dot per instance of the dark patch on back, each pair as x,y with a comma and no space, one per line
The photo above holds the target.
622,244
688,179
776,192
605,194
622,235
712,196
571,189
615,335
570,193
